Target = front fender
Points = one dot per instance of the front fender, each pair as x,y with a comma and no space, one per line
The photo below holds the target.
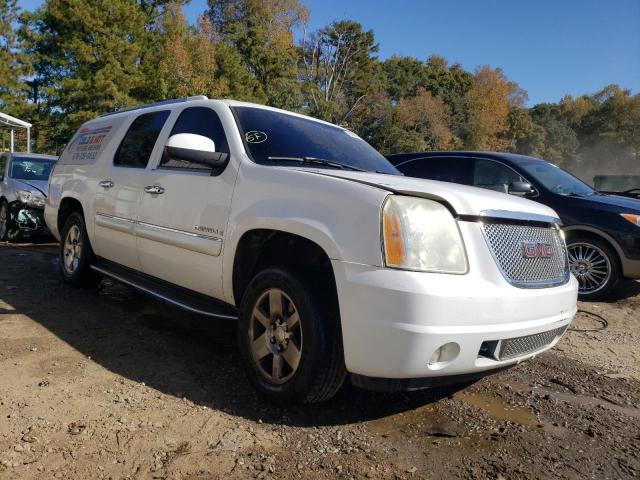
340,216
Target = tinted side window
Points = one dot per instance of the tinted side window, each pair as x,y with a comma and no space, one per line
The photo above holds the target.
3,164
137,145
200,121
445,169
494,175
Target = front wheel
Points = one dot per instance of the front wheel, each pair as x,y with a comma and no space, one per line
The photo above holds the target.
290,342
595,266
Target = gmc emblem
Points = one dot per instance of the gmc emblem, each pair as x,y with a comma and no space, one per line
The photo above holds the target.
537,250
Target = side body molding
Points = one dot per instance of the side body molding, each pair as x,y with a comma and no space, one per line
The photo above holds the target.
195,242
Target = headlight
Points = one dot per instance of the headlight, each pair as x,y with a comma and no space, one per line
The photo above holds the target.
421,235
31,199
635,219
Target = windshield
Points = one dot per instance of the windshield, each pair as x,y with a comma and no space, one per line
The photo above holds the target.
274,137
555,179
29,168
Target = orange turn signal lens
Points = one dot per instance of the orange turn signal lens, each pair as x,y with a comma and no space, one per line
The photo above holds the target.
394,250
635,219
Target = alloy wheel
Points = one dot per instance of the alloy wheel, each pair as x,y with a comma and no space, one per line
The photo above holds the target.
590,265
275,334
72,249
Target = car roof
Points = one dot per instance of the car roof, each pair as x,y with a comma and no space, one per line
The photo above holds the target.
200,98
33,155
513,158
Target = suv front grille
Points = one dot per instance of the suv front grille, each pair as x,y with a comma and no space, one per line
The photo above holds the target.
529,256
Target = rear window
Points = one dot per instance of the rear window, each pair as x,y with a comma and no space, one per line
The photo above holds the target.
137,145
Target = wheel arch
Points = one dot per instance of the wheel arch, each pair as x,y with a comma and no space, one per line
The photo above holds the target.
259,248
67,206
590,232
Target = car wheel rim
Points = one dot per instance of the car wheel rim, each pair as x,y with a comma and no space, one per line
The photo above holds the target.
3,221
72,249
590,265
275,336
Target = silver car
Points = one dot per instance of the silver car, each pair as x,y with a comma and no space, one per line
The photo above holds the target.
24,181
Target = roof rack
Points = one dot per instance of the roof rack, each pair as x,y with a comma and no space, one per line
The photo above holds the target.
157,104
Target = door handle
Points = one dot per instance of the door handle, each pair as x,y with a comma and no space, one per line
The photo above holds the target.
106,184
154,189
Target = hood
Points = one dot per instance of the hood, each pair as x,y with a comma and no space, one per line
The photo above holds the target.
41,185
463,199
617,203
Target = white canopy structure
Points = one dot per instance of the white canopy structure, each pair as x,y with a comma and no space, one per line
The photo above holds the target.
12,123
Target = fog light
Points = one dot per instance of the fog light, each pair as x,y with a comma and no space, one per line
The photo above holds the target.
444,355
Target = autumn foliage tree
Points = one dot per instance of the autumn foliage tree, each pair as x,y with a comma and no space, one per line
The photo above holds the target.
489,101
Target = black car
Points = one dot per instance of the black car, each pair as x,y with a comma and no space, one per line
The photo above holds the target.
602,231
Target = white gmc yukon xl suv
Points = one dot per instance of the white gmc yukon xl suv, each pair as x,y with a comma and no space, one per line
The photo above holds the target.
331,261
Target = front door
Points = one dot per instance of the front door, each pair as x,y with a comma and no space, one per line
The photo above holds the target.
120,187
184,211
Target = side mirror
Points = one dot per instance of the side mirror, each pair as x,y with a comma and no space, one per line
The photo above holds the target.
521,189
195,148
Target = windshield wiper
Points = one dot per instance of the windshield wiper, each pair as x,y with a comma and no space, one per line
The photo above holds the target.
316,161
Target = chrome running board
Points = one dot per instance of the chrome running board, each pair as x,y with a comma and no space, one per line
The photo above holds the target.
180,297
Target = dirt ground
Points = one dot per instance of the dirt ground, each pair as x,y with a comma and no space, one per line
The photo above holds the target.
111,384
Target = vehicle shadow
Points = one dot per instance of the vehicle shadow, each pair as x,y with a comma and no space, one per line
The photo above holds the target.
626,289
172,351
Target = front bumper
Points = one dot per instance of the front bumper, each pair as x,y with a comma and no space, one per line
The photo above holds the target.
25,221
393,320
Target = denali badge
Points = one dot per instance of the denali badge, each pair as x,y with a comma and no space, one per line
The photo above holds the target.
536,250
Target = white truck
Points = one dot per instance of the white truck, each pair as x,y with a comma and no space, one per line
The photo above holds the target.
332,262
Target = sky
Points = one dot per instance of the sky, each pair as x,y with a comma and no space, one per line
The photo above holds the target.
549,47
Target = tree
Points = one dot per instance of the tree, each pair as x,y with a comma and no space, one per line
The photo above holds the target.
12,61
402,76
338,70
86,62
428,116
489,101
524,136
561,142
258,35
186,59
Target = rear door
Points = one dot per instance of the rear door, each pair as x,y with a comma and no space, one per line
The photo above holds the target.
120,187
184,212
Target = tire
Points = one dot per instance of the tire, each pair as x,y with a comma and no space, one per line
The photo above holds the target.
4,220
304,338
76,254
595,264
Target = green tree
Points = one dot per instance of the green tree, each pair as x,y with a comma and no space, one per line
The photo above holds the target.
402,76
13,62
561,141
86,61
258,36
339,71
